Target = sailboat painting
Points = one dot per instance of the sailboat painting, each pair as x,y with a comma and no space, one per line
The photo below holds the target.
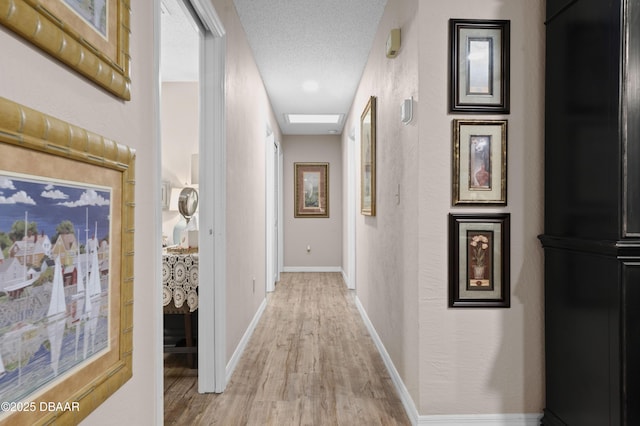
54,280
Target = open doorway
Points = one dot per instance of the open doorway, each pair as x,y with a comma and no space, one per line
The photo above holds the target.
192,40
180,139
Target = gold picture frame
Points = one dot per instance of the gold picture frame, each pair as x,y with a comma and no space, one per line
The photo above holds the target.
479,162
95,44
368,159
311,190
42,157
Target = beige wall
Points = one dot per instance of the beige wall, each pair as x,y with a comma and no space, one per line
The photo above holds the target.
37,81
180,138
248,113
492,359
324,235
387,244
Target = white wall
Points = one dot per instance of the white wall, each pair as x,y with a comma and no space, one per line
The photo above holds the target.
452,361
180,139
324,235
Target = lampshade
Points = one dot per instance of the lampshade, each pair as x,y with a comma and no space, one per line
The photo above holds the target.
195,169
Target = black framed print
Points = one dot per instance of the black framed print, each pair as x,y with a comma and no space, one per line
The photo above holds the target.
479,62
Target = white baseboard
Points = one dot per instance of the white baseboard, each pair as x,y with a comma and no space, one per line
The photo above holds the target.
481,419
439,420
312,269
235,358
403,392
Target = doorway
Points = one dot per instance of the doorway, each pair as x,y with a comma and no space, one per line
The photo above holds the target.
273,205
201,18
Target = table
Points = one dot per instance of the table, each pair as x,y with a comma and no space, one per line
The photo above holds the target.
180,285
180,280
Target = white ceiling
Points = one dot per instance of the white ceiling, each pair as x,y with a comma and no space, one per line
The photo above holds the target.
293,41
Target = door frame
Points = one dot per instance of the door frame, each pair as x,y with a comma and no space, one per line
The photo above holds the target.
273,210
212,210
213,171
352,153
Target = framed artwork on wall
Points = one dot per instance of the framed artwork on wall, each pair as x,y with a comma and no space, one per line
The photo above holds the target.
479,162
479,260
311,190
66,286
368,159
90,37
479,66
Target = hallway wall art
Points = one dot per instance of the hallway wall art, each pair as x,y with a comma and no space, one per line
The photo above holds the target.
66,267
90,37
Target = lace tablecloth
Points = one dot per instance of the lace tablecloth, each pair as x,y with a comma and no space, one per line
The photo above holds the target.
180,280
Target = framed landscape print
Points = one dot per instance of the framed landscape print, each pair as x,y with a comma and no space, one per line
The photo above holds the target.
311,190
368,159
479,260
479,66
92,37
66,268
479,162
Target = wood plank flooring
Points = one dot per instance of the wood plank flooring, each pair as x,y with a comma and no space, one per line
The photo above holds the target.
310,361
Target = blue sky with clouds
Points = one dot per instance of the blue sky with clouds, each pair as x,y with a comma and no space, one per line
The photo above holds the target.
50,202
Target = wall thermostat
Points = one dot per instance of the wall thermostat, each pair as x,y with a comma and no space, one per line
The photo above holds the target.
393,43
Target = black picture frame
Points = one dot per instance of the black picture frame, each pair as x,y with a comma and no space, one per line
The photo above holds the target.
479,260
479,66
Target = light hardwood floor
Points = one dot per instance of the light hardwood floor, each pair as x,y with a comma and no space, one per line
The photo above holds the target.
310,361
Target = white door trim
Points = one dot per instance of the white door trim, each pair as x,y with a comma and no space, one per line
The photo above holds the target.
213,170
270,217
157,292
351,207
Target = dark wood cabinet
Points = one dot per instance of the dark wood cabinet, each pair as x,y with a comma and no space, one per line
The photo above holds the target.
592,213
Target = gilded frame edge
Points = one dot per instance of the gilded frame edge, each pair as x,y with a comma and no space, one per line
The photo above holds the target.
370,108
456,178
297,213
27,128
35,24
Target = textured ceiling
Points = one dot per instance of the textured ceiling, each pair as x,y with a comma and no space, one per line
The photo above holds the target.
293,41
298,40
179,44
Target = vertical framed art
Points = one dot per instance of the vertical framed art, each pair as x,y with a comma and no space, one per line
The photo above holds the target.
479,260
479,162
368,159
66,267
311,190
479,66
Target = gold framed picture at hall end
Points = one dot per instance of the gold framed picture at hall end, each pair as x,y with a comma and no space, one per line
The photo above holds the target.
311,190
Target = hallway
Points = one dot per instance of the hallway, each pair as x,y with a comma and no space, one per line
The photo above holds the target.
310,361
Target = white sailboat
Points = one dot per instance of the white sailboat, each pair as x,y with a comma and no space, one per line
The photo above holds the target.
56,316
93,291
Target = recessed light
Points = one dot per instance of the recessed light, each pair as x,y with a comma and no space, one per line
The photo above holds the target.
313,118
310,86
333,131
